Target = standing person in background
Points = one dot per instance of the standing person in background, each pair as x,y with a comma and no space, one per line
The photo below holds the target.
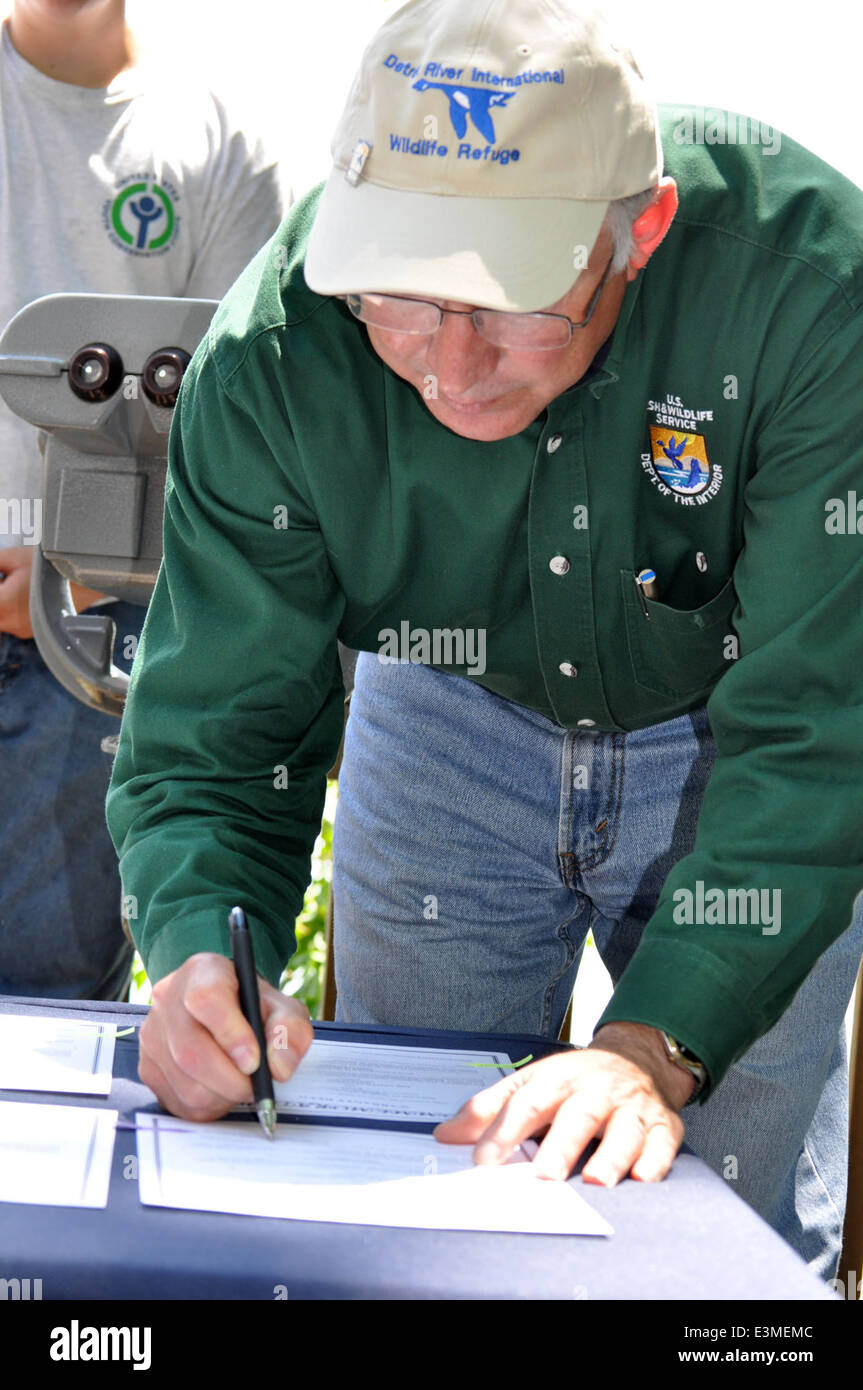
118,175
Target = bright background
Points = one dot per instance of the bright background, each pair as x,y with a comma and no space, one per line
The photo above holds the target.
794,66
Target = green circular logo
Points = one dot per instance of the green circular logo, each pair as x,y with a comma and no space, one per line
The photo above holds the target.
142,216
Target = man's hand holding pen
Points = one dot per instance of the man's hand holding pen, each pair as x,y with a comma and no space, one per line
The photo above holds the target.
198,1052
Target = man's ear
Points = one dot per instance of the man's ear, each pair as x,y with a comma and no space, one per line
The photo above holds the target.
650,226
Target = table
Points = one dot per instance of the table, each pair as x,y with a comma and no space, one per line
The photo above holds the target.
688,1237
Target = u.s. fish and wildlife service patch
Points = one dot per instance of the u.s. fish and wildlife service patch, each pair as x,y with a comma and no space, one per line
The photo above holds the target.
679,466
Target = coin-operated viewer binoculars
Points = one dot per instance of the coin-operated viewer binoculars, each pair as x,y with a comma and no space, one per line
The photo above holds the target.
98,375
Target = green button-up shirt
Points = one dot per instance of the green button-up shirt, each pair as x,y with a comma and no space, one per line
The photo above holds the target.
311,495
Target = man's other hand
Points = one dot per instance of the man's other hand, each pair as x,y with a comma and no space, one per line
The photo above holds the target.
197,1051
622,1089
16,564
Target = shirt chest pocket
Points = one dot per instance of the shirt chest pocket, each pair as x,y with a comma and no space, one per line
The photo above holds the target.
677,651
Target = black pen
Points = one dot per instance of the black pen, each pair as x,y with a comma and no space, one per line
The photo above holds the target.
250,1003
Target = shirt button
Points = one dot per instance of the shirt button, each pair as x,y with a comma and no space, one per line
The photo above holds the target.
559,564
566,668
554,443
587,723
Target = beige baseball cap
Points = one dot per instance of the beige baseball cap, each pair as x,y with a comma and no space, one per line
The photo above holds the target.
478,151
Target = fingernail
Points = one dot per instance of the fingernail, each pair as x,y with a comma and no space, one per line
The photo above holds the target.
601,1176
245,1057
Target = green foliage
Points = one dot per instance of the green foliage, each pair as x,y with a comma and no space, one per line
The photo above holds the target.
303,977
140,991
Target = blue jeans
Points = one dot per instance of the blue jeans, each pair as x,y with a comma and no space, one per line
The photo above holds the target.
467,871
61,933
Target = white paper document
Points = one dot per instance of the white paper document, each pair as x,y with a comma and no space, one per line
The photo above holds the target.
379,1082
56,1054
55,1155
367,1177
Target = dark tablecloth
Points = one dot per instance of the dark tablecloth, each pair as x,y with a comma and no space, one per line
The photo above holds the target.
688,1237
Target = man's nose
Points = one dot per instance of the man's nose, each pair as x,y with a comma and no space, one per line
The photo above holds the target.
459,356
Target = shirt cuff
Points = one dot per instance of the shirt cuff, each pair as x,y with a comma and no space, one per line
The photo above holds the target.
694,996
202,931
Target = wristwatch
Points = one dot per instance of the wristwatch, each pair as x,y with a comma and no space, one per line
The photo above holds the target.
682,1057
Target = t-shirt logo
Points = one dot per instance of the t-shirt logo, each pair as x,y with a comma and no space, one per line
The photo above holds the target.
141,219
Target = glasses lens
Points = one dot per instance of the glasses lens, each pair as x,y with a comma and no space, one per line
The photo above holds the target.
522,332
394,314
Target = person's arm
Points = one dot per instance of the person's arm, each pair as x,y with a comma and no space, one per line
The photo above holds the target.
782,812
233,719
16,563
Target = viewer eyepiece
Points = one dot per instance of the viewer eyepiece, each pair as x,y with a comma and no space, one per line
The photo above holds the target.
162,375
95,372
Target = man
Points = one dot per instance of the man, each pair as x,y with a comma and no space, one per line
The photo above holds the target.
115,177
555,458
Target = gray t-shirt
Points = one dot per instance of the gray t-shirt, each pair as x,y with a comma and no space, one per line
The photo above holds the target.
142,187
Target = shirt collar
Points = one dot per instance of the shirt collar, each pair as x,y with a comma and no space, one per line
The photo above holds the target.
605,366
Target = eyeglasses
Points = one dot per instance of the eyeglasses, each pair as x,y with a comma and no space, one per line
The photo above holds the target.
517,332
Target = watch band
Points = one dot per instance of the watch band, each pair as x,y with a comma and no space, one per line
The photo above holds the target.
682,1057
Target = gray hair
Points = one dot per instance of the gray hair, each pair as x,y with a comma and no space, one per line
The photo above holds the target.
622,212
